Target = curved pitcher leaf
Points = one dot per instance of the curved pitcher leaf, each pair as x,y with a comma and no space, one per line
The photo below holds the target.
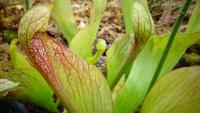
117,56
6,86
63,16
138,21
80,86
32,87
137,17
176,92
84,39
143,69
142,22
36,19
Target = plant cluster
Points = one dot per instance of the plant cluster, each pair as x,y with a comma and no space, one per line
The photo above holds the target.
49,74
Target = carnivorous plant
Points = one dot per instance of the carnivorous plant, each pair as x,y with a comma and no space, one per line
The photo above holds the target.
49,74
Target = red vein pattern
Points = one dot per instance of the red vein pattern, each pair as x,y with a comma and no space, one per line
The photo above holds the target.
34,20
81,86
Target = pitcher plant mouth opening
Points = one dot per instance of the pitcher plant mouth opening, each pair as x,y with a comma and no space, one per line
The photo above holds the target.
139,64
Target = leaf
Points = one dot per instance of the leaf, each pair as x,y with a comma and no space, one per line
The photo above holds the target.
5,86
117,56
126,48
32,87
84,39
136,17
142,22
81,86
127,12
71,100
176,92
34,20
18,60
143,69
123,51
63,16
194,23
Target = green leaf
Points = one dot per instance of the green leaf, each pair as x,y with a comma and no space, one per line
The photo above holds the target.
176,92
137,18
63,16
142,22
18,60
194,23
120,57
117,56
5,86
144,67
81,87
170,40
36,19
123,51
84,39
91,94
127,12
32,87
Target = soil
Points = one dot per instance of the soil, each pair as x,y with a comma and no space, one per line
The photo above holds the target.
164,14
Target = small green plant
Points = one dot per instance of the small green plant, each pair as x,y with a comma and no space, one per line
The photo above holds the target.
135,60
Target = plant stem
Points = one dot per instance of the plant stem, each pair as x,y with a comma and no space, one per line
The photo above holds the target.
170,41
27,4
